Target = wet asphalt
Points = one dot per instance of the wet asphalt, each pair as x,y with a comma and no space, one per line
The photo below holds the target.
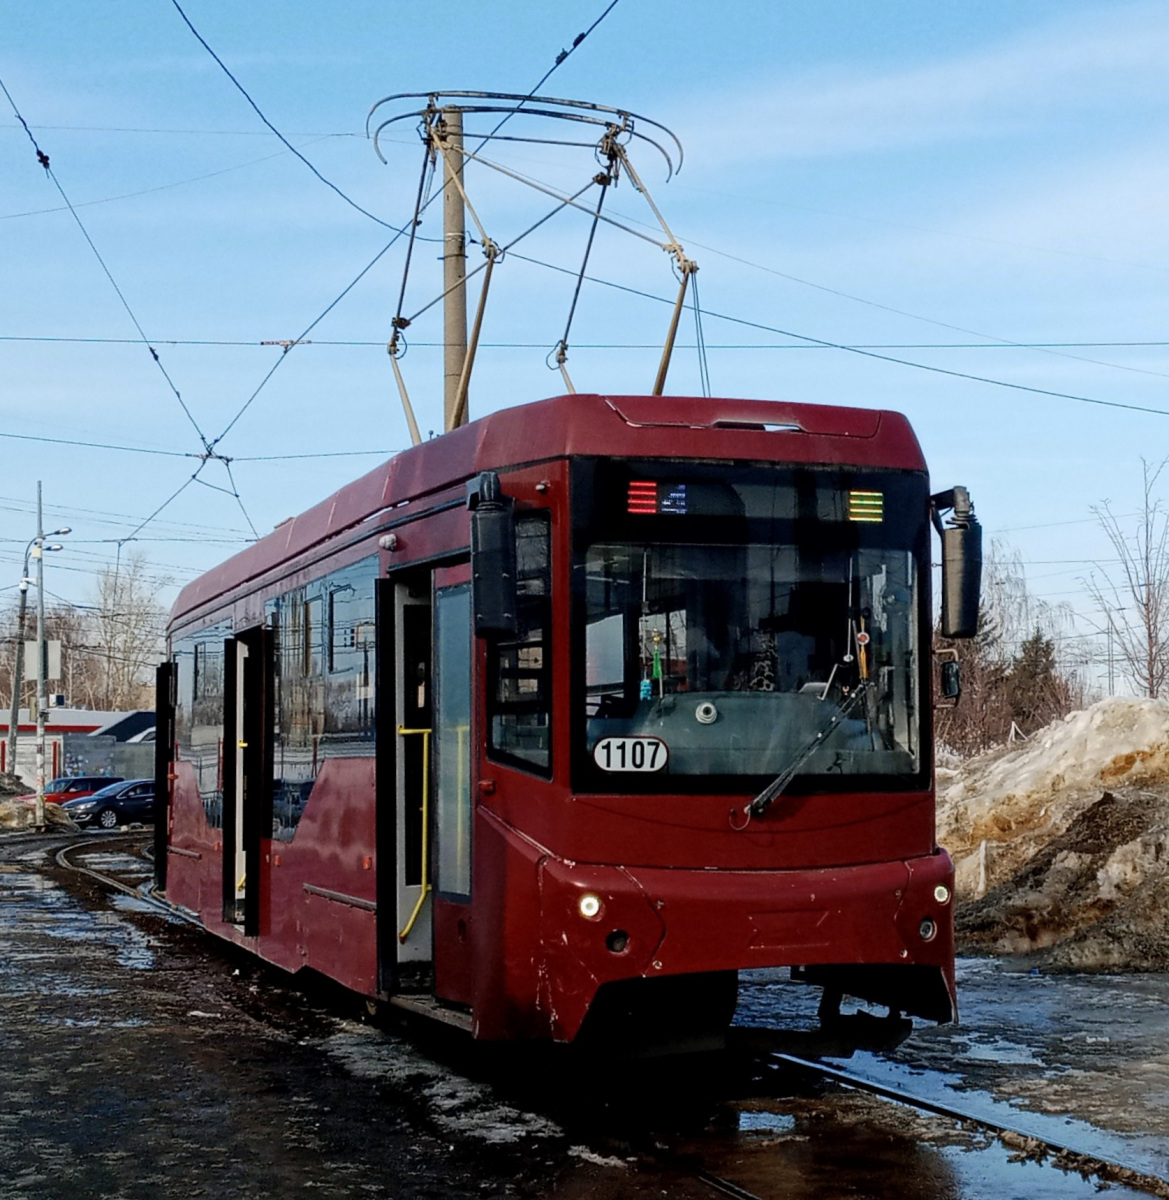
140,1059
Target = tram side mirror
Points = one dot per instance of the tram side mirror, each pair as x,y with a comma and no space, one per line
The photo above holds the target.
493,557
951,680
961,562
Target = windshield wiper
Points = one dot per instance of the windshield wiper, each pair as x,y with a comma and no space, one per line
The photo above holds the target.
775,788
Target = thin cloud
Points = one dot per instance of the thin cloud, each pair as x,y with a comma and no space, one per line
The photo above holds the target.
1117,59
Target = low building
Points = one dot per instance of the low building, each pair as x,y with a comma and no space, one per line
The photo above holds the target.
80,741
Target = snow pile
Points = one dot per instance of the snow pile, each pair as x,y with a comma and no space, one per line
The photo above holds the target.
20,813
1061,843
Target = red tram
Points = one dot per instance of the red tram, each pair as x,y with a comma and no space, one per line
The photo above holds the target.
565,717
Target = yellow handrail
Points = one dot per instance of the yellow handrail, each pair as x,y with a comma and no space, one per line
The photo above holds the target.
425,735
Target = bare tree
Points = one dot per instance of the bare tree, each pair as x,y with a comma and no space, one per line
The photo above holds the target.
65,624
108,649
1134,595
1016,673
127,629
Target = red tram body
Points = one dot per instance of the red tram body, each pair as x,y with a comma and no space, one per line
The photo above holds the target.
525,827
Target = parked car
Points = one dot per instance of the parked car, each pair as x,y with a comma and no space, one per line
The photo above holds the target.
119,804
72,787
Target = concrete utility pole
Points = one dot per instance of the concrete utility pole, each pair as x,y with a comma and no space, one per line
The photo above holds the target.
454,269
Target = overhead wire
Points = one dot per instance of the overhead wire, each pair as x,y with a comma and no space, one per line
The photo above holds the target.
307,330
560,58
55,441
421,206
208,448
162,187
900,312
261,343
28,437
259,113
169,500
827,344
43,159
1057,352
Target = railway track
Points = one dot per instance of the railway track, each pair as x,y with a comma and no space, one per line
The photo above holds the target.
1026,1144
121,862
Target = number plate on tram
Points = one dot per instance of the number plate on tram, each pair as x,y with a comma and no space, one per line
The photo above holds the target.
631,754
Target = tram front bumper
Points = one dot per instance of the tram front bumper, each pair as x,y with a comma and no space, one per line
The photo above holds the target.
603,924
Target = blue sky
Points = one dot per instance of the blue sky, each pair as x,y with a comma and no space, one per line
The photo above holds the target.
869,174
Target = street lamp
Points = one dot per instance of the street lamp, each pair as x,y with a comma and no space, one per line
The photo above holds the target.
18,656
37,550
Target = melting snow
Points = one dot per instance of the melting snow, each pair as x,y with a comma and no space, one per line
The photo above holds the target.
1061,842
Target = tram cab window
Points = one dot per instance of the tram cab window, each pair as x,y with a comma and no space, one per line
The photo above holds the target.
738,616
520,695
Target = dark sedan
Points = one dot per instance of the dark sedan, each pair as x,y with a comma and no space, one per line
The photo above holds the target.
119,804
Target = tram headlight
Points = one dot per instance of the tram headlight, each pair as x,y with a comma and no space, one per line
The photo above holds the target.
942,894
589,905
928,929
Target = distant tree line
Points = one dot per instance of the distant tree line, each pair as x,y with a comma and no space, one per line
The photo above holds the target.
109,649
1016,674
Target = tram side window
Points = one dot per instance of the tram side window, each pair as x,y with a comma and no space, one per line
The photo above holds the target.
520,696
199,713
323,670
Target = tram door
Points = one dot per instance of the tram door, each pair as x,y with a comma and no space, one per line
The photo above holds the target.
246,774
413,732
432,780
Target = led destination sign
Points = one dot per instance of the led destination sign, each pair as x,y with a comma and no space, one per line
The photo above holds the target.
711,498
648,497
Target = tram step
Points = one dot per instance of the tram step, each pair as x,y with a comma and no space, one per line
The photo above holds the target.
428,1006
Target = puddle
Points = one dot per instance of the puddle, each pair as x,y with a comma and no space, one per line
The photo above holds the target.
58,916
1081,1059
766,1122
112,861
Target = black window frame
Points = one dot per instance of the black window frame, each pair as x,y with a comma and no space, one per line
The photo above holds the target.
533,607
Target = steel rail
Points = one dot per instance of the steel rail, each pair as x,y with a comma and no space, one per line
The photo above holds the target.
144,892
1030,1143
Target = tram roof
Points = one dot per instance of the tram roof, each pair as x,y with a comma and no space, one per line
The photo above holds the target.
572,426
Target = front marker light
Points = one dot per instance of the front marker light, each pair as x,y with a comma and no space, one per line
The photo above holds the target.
942,894
589,905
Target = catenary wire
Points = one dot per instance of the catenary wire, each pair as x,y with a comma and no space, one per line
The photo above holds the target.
104,517
826,344
580,37
379,343
398,232
43,159
900,312
256,108
308,329
848,295
162,187
28,437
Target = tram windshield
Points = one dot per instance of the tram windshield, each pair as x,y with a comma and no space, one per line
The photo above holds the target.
748,621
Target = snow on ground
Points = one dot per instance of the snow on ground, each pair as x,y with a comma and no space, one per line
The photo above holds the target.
1061,842
17,813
